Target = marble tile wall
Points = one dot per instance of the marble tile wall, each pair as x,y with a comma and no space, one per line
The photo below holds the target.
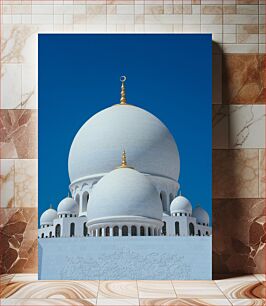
238,30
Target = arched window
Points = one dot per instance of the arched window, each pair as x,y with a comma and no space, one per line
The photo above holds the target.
115,231
177,232
181,214
70,215
85,199
133,230
58,230
199,233
163,197
50,235
85,229
100,232
72,229
164,228
149,231
124,230
207,233
142,232
191,229
42,235
107,231
65,215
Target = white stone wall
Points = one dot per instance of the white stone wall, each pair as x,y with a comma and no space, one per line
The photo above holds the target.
184,226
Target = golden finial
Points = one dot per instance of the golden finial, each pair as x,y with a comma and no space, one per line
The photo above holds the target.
124,161
123,99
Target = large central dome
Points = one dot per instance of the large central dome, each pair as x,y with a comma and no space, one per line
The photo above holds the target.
98,144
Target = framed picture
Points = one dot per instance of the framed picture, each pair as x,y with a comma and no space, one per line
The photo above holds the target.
125,155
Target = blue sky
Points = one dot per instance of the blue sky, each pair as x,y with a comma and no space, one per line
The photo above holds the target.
168,75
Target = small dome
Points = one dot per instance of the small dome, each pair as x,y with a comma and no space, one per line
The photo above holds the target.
124,192
68,206
201,215
180,204
48,217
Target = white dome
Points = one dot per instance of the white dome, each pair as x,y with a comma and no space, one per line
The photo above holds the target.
201,215
68,206
124,192
48,217
98,144
180,204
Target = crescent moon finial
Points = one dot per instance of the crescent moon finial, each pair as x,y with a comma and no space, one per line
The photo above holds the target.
123,99
123,78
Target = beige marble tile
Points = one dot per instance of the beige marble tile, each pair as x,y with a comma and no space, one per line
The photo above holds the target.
240,48
122,302
247,9
155,289
183,302
44,302
117,290
247,38
10,85
197,289
28,86
153,9
248,302
240,19
247,126
242,290
4,280
18,44
211,9
260,277
7,183
26,183
248,29
262,170
25,277
51,290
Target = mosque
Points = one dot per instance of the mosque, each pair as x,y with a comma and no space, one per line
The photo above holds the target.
136,195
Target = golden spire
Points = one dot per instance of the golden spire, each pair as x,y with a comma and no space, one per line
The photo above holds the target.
123,99
124,161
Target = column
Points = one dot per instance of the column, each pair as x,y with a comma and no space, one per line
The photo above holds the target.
120,230
138,230
111,231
